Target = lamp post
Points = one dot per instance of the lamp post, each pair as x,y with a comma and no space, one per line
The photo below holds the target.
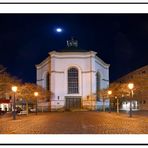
14,89
36,95
103,104
117,104
109,93
131,86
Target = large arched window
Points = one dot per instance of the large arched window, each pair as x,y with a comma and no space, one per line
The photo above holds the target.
98,85
73,84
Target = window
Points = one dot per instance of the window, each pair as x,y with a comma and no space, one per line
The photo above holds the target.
73,81
144,102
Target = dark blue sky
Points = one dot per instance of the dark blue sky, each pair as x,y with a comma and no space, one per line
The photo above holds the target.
120,40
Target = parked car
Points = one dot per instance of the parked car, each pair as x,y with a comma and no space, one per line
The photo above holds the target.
2,112
18,109
23,112
33,110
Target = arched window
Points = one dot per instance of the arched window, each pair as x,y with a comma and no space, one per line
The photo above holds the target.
97,85
73,84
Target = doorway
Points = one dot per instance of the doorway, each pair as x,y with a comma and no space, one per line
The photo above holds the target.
73,103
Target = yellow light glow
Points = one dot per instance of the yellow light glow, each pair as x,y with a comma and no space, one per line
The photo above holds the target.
130,85
36,94
109,92
14,88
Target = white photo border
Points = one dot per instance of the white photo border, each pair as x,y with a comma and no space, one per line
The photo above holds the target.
98,139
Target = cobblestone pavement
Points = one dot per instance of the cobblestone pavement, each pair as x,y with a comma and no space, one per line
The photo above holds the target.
74,123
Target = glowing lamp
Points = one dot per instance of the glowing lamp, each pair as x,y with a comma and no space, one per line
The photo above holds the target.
109,92
14,88
36,94
130,85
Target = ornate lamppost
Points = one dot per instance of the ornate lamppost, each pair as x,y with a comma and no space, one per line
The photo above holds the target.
131,86
117,104
36,95
14,89
109,93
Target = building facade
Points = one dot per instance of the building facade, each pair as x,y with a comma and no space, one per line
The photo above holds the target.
4,105
140,93
74,77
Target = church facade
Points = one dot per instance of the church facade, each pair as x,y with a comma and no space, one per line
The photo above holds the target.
74,77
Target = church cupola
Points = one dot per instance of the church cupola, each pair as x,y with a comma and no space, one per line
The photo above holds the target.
72,43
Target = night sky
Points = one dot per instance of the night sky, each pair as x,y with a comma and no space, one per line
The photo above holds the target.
120,40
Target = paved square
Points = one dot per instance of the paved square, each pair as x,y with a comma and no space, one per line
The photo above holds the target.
74,123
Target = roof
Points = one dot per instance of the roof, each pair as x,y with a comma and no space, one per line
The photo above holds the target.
73,49
138,72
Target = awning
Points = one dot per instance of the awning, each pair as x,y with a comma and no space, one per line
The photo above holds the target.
4,101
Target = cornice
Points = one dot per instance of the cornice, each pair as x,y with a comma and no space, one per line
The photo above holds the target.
101,62
89,71
55,54
53,71
43,63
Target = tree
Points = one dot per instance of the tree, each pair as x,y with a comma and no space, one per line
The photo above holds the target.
2,69
103,95
26,91
121,90
6,82
141,87
118,91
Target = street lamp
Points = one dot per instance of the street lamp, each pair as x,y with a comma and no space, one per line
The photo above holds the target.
14,89
131,86
117,104
109,93
36,95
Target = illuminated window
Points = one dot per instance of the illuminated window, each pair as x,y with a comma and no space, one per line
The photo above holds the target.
73,81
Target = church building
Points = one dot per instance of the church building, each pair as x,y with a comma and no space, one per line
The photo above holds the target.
74,77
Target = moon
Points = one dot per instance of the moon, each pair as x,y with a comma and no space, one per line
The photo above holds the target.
59,30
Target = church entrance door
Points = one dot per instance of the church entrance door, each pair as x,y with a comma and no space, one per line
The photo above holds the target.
73,103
